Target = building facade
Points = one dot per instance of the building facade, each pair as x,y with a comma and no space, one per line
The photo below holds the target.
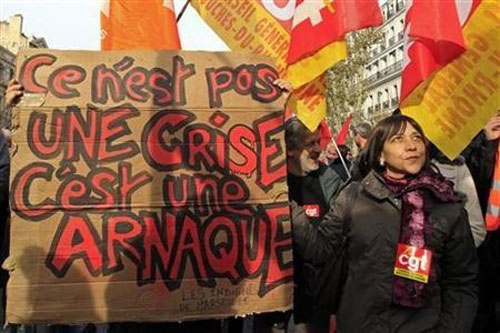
383,72
12,39
6,71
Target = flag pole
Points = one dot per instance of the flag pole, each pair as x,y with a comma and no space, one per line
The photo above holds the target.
344,164
341,158
183,10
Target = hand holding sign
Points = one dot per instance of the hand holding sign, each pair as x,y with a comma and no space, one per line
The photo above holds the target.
492,128
285,86
13,93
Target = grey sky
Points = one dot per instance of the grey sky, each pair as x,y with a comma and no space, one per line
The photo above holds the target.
74,24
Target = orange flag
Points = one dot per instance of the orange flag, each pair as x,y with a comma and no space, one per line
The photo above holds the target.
493,212
143,24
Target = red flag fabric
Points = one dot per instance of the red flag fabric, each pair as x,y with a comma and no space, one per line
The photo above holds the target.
325,135
344,132
317,26
434,38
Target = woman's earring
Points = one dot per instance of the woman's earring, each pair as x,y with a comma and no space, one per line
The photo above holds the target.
382,163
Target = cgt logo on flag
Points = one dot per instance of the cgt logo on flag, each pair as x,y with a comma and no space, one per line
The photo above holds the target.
311,210
413,263
311,11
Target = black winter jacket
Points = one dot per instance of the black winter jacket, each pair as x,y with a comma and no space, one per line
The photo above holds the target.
372,237
306,273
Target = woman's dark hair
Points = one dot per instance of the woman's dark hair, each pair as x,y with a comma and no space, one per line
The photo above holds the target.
384,130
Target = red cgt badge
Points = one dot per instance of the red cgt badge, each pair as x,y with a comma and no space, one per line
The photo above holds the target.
312,210
413,263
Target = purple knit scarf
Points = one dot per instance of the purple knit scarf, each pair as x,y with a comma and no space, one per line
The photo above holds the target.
415,227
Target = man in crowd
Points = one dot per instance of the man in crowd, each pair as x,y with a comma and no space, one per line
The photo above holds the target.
313,186
361,132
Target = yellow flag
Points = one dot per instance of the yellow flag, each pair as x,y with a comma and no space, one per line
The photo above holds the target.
453,105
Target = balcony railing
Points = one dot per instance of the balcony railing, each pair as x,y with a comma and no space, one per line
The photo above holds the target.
401,35
377,107
372,78
394,68
392,40
382,47
385,105
394,102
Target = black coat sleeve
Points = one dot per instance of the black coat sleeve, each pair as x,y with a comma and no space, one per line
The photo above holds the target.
318,244
459,281
480,157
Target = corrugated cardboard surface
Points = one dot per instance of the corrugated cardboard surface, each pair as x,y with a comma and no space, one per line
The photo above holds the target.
232,257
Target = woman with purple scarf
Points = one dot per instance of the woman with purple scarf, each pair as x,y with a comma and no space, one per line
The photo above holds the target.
411,260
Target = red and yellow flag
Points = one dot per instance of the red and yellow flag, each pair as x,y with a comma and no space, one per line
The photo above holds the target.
435,38
144,24
451,75
318,33
305,28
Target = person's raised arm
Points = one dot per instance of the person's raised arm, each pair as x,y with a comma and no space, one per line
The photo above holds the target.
13,93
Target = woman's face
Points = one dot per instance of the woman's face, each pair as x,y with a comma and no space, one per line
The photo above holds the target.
404,153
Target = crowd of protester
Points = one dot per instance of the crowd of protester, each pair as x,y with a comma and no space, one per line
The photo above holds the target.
353,218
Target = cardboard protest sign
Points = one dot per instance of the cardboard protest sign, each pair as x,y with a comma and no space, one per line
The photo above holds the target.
148,186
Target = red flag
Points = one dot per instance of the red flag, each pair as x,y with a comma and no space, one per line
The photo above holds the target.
344,132
318,31
325,135
144,24
434,29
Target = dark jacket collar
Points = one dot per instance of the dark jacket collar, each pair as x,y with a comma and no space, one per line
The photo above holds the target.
330,182
374,184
